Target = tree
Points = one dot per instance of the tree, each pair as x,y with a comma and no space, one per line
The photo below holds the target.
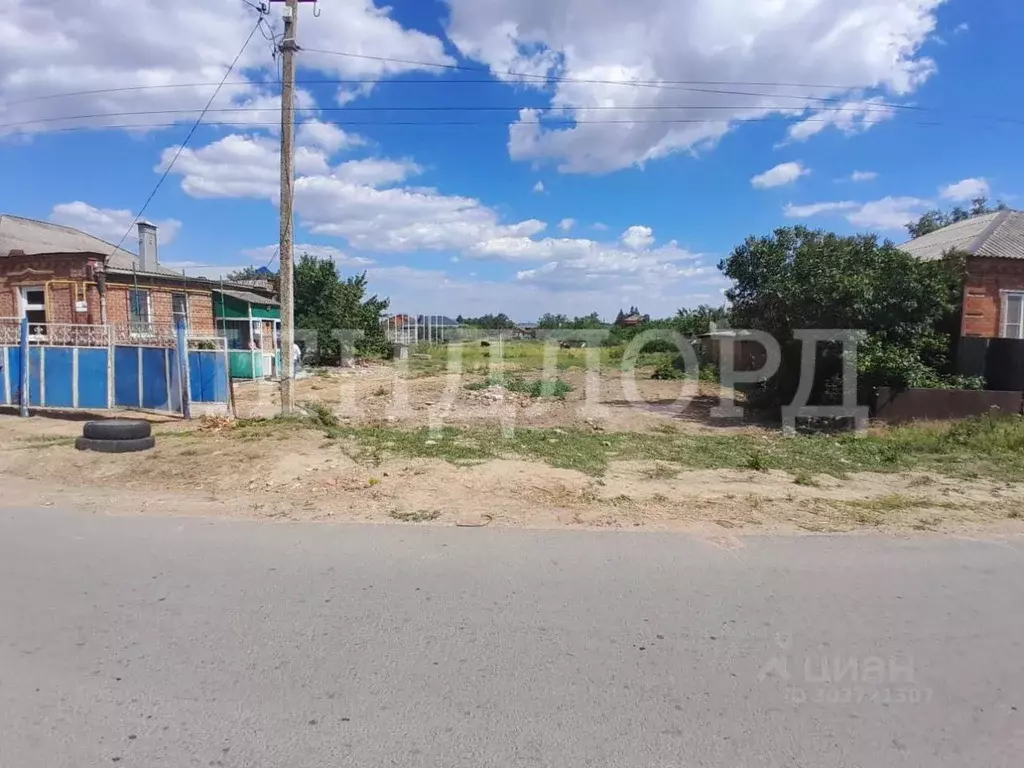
589,322
488,322
550,322
798,278
697,322
326,303
935,219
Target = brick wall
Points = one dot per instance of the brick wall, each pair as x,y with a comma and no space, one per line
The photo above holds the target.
982,299
65,278
68,277
200,306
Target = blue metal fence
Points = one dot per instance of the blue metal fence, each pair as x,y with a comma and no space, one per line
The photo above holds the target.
155,378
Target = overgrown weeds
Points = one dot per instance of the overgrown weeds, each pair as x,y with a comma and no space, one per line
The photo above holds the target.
988,448
537,388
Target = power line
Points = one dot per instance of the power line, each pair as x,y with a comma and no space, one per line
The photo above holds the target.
442,108
491,81
555,78
412,81
466,123
188,138
682,85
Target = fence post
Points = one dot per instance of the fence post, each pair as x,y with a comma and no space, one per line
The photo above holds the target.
23,386
111,350
181,364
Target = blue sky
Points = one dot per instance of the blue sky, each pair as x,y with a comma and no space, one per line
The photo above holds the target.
522,210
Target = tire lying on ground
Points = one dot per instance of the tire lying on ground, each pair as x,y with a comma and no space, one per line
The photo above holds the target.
133,445
117,429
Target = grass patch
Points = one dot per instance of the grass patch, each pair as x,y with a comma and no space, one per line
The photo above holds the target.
661,472
889,503
803,477
953,449
320,414
417,516
539,388
45,441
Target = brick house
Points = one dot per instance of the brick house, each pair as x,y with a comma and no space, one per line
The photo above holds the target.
58,275
993,303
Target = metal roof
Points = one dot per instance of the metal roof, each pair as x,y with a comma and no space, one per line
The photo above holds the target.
42,237
998,235
249,298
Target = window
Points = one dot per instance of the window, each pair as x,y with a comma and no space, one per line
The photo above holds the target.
139,309
33,306
1013,315
179,307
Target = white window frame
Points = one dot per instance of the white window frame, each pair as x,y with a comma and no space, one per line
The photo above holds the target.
1004,315
132,325
188,309
24,307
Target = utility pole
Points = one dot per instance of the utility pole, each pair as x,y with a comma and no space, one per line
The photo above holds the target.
289,47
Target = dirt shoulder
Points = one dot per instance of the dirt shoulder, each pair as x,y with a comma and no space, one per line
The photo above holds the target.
546,480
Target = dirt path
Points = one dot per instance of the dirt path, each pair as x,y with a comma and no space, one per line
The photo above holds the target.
299,475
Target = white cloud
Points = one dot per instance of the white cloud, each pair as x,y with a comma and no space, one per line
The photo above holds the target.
63,46
873,46
326,136
963,191
108,223
235,166
638,237
350,201
376,172
859,176
434,291
600,227
780,175
262,255
566,224
538,188
850,118
816,209
961,28
887,214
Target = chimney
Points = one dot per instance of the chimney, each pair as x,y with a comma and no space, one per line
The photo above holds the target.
148,258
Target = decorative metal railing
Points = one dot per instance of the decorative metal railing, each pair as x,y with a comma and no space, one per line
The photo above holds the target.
74,335
145,335
10,331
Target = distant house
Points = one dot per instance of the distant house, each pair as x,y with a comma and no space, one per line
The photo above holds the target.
58,276
632,320
993,302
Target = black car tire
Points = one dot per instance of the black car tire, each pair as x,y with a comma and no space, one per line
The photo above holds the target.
115,446
117,429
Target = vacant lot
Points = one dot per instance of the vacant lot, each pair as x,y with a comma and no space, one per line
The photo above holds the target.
579,389
953,478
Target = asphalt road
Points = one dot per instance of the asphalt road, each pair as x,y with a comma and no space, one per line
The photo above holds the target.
187,642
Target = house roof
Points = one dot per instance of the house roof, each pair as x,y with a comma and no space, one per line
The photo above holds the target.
248,297
998,235
436,320
41,237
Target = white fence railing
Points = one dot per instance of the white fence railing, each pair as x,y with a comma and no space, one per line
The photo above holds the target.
10,331
74,335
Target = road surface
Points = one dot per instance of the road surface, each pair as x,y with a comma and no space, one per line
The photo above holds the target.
178,642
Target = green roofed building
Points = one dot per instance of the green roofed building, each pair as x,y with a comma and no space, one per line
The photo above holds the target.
248,315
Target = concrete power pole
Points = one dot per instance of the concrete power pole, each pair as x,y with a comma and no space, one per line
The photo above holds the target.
289,47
